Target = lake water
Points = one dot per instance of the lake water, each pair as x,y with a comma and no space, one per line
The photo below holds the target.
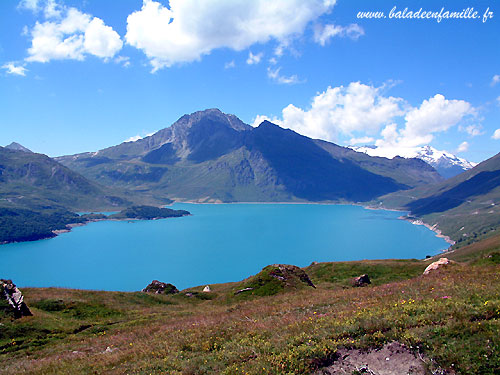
219,243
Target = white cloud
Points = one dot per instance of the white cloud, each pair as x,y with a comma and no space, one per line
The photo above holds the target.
473,130
50,8
29,5
275,75
259,119
363,111
230,64
361,140
462,147
72,36
495,79
322,34
354,108
496,134
101,40
189,29
138,136
124,60
434,115
254,59
13,68
134,138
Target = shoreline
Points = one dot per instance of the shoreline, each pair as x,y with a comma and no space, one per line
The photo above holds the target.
433,228
56,232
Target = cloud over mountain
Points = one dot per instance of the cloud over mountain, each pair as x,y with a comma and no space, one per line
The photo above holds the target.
366,111
342,109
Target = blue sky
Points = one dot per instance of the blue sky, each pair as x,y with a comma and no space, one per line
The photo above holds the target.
83,75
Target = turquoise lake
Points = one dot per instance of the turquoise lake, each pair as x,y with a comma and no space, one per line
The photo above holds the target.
218,243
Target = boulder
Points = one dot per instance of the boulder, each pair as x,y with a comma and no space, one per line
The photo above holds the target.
287,273
160,288
15,299
362,280
207,289
274,279
437,264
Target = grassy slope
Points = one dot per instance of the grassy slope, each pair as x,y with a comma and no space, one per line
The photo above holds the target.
477,252
465,207
451,316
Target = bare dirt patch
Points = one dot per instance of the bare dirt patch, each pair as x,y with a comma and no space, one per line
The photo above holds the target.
393,359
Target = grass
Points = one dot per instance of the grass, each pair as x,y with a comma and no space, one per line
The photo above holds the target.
478,252
451,317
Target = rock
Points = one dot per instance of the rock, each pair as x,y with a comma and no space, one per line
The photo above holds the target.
286,272
207,289
160,288
243,290
362,280
10,293
275,278
437,264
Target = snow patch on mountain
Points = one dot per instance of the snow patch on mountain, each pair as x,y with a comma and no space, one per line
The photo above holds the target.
447,164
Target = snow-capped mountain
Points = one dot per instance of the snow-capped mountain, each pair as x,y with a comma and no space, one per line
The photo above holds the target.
444,162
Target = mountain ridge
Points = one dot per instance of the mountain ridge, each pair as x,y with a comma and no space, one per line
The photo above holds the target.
209,155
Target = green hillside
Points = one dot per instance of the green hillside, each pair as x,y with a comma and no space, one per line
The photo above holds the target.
464,207
34,181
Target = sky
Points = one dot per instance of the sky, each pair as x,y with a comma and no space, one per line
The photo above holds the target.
82,75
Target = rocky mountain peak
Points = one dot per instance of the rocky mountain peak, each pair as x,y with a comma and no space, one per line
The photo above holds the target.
17,147
211,115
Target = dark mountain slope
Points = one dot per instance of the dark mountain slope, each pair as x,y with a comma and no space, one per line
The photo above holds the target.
411,172
309,172
478,185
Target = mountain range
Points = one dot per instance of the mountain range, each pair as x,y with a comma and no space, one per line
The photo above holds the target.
445,163
210,156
